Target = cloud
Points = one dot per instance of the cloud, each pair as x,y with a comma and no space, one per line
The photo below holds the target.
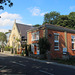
72,7
4,30
36,11
7,15
42,14
7,19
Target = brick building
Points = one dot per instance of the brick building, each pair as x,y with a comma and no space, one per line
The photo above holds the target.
62,39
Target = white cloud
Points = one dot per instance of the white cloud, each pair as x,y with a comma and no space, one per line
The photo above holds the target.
7,15
7,19
4,30
42,14
72,7
36,11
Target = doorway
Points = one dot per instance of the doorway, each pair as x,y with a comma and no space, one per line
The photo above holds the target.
35,49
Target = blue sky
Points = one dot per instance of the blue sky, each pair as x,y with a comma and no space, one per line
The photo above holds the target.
32,11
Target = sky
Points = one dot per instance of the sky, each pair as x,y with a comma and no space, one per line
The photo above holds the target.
32,12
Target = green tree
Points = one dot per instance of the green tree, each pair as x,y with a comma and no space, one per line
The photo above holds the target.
51,17
72,16
6,32
44,45
66,21
5,2
3,39
63,20
46,18
37,25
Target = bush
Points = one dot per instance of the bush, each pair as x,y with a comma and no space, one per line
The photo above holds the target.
15,51
22,54
44,45
29,48
7,48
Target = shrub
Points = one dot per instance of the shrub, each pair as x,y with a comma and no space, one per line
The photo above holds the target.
15,51
29,49
44,45
7,48
22,54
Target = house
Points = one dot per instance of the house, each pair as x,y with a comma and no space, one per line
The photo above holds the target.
18,36
62,40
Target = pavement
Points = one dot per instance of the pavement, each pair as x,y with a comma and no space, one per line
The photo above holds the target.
14,64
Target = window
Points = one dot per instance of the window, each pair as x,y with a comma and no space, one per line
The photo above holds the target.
23,38
56,41
13,37
73,42
35,36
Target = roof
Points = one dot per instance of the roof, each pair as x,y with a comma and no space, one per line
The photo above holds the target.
22,28
54,27
60,28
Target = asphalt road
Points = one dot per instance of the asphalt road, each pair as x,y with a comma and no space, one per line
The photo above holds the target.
22,66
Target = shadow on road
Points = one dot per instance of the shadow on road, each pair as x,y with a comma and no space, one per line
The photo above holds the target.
17,65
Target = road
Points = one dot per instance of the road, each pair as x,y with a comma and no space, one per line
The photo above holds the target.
23,66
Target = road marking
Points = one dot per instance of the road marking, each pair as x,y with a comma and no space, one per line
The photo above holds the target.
2,67
19,64
46,72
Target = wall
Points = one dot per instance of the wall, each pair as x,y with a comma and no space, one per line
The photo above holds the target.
69,44
14,33
29,36
56,53
59,53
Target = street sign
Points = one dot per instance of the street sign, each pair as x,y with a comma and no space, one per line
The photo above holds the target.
37,51
64,50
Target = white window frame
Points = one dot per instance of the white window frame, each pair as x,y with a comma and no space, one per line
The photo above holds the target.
37,35
73,41
57,41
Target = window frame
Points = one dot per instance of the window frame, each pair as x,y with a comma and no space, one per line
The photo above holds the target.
73,42
56,41
35,35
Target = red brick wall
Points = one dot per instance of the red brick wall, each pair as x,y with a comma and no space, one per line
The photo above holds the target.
59,53
69,44
40,34
56,54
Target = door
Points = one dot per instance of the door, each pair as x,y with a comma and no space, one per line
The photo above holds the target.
35,49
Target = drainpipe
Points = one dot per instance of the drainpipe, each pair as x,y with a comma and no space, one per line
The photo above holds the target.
66,40
45,33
